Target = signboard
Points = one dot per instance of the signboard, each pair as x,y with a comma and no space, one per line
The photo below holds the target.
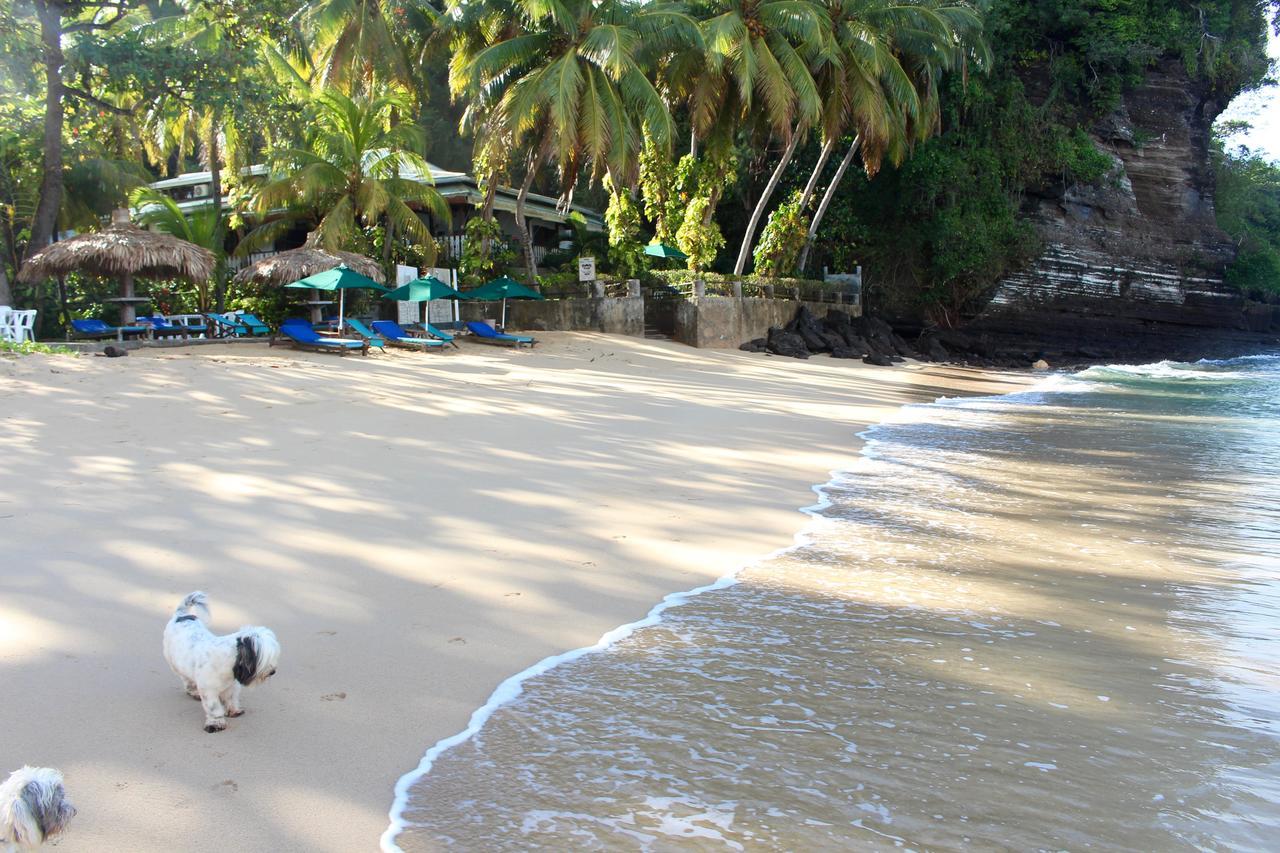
407,312
443,310
586,269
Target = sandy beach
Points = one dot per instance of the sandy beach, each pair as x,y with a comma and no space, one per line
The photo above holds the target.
415,528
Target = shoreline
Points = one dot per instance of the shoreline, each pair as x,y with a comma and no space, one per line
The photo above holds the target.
677,448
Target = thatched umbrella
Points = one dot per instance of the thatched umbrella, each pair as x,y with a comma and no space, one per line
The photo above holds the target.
121,249
310,258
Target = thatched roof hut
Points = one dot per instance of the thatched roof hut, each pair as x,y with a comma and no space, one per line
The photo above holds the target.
121,250
294,264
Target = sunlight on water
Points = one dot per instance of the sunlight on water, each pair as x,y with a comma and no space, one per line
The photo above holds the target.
1039,621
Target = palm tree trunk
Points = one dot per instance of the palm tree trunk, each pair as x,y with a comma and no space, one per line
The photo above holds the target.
215,180
6,293
811,187
45,219
748,239
824,204
522,225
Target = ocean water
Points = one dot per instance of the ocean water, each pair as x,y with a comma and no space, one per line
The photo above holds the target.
1042,621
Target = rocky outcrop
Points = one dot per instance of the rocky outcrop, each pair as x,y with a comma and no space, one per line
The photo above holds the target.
839,334
1136,260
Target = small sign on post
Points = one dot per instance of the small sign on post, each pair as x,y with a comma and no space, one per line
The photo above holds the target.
586,269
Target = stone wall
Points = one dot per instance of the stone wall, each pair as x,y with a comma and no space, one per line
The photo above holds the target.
727,321
615,316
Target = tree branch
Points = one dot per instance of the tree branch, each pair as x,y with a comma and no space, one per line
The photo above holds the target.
86,26
98,102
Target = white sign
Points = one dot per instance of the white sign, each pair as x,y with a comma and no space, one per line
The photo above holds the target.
407,312
443,310
586,269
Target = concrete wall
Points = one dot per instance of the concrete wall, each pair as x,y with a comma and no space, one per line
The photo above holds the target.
616,316
727,321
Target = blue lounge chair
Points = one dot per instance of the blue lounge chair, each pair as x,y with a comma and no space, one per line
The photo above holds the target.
224,326
162,328
255,326
160,321
486,333
98,330
397,336
365,332
436,333
302,336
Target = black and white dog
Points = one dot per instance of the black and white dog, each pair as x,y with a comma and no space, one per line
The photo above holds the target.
213,668
33,807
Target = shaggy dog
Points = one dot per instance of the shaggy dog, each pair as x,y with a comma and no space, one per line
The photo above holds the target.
213,668
33,807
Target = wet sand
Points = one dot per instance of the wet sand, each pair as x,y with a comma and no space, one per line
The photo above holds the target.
415,528
1037,623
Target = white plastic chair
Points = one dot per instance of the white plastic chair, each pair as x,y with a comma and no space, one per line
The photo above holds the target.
23,324
7,331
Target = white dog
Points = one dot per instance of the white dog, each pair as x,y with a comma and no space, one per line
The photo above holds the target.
33,807
212,668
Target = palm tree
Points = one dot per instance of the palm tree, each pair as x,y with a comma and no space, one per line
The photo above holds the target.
356,170
896,52
358,44
757,72
569,86
204,226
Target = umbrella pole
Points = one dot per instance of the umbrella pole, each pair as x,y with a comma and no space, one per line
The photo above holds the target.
504,313
342,300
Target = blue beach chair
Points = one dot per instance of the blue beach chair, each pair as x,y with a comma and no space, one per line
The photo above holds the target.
224,326
365,332
98,330
397,336
302,336
255,326
436,333
486,333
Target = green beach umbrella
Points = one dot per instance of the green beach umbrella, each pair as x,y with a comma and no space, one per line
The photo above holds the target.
423,290
662,250
341,278
503,288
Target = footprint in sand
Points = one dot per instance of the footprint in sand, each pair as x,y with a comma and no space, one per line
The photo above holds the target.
457,641
327,633
333,697
227,785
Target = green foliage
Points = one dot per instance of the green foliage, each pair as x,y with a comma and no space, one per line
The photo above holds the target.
1248,207
701,240
626,255
485,252
32,347
663,187
782,239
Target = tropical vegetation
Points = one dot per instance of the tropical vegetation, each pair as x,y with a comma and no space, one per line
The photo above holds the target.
778,137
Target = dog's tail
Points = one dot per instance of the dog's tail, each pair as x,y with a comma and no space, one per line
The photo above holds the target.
196,601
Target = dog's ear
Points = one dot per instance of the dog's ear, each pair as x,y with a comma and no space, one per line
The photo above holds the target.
246,660
31,826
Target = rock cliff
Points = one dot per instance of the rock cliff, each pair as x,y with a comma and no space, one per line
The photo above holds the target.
1133,265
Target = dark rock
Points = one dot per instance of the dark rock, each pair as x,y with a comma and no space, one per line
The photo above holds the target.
757,345
857,342
934,349
114,352
845,352
782,342
954,340
878,360
832,340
